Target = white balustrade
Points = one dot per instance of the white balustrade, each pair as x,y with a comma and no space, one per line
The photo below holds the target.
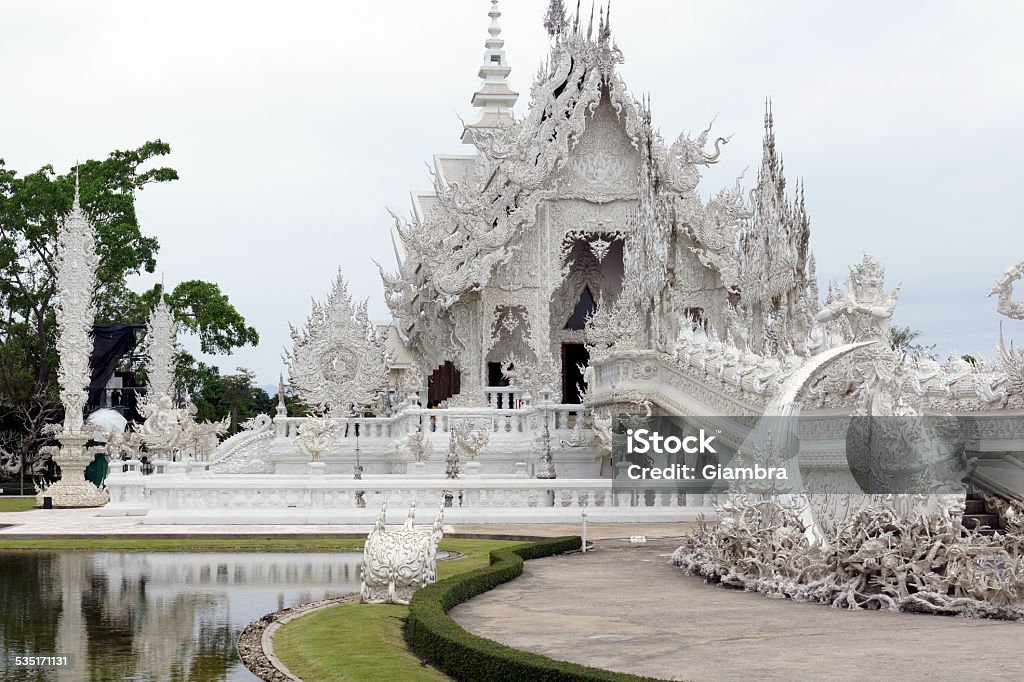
233,499
505,397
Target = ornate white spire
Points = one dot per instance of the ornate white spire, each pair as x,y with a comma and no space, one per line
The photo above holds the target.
494,95
554,19
282,407
161,337
76,265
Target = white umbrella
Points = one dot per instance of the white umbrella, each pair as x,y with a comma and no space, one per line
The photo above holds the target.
106,421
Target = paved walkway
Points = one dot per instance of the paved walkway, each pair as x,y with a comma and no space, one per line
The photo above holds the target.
624,608
67,523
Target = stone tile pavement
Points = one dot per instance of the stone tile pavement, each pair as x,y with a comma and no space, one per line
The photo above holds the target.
624,608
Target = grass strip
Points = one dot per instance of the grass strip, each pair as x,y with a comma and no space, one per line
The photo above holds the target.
364,642
16,504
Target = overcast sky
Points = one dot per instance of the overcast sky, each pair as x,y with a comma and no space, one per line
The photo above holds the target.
295,125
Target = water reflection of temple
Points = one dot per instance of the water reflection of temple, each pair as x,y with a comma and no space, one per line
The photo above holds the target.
155,616
229,570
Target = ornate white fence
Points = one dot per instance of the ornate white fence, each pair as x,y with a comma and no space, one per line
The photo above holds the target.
521,419
229,499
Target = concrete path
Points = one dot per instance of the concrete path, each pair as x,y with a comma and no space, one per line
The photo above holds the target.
624,608
66,523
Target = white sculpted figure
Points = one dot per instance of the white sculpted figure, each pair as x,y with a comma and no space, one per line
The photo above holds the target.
864,303
465,439
1012,359
162,429
397,563
417,445
1004,289
316,434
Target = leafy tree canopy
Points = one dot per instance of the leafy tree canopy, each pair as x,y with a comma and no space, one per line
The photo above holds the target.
31,209
217,396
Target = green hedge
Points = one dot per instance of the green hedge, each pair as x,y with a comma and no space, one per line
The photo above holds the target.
444,644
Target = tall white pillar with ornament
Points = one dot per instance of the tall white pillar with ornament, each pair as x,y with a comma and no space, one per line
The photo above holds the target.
76,264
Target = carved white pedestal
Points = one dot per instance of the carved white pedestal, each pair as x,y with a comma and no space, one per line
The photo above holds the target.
127,492
317,469
73,490
176,468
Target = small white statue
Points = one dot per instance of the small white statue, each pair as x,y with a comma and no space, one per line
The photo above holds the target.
399,562
316,435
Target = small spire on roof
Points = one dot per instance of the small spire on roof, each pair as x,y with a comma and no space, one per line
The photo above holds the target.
554,19
75,204
494,95
282,408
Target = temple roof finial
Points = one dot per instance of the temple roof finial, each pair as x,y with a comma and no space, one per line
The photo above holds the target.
494,95
555,19
76,204
282,407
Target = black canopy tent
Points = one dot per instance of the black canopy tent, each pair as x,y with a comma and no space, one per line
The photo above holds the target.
111,342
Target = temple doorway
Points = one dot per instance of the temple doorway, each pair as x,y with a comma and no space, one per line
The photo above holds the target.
574,356
445,382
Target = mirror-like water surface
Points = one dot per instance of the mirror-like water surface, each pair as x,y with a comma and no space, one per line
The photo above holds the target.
151,616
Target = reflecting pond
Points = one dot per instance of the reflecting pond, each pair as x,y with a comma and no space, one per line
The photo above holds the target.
152,616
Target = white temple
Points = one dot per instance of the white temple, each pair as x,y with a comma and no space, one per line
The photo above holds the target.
563,272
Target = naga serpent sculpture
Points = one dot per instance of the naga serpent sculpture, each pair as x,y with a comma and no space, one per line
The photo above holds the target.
1012,359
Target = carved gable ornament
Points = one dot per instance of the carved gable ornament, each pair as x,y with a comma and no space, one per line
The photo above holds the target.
603,166
338,359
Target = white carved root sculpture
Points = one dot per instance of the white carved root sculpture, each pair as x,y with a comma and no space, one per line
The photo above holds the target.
397,563
316,434
898,557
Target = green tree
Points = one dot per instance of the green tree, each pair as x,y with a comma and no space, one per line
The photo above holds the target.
217,396
903,339
31,209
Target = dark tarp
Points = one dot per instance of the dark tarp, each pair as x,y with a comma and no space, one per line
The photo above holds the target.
96,472
111,342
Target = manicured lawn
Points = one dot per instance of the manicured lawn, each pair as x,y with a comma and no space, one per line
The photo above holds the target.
355,642
187,544
16,504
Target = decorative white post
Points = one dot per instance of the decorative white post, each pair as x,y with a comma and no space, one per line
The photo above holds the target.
162,430
76,264
583,535
546,468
